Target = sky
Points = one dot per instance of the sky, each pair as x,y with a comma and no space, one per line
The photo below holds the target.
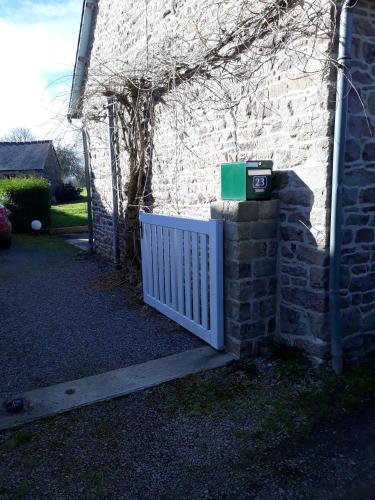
38,41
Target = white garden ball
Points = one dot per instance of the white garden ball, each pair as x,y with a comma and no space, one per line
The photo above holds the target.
36,225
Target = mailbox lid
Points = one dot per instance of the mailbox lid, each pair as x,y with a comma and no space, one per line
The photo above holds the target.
233,181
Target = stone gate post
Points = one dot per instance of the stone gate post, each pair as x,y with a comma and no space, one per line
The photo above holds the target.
250,272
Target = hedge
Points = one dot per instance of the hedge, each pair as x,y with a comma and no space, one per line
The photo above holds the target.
26,199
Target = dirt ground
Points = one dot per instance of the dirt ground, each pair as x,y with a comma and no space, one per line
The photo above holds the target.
267,429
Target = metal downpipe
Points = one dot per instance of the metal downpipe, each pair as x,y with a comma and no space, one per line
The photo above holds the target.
339,143
88,188
112,154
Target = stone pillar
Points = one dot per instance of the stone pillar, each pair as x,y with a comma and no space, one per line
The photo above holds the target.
250,272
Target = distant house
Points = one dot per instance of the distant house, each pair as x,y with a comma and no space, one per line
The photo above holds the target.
26,159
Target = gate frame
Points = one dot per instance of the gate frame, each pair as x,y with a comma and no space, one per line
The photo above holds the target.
213,231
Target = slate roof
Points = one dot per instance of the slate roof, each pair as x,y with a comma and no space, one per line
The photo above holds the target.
24,155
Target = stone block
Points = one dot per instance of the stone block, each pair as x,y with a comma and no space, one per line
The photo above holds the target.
366,309
233,345
248,250
235,211
272,285
240,290
368,52
306,299
364,235
368,297
368,155
292,321
371,103
361,77
284,279
232,328
357,220
260,287
301,197
354,105
352,151
253,329
358,126
268,209
238,311
349,196
271,326
287,252
359,177
355,258
272,248
292,233
368,322
352,342
367,195
344,277
318,277
298,281
363,283
356,299
263,230
351,321
319,325
312,255
235,269
264,267
294,270
267,307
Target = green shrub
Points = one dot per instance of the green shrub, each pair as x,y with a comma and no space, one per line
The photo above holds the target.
26,199
67,192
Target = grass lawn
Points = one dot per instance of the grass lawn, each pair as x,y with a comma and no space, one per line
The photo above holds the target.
70,214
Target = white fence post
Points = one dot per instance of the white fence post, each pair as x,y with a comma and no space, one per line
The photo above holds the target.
216,282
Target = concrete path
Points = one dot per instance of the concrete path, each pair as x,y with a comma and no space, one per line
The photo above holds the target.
60,398
79,240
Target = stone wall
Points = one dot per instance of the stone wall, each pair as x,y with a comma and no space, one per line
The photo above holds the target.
288,118
251,233
358,254
101,183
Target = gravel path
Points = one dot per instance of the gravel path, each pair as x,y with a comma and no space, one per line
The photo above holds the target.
57,323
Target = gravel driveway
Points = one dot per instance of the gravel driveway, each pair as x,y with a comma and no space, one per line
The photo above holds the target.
208,436
57,323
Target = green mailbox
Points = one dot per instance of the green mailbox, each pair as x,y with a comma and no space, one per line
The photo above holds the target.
246,180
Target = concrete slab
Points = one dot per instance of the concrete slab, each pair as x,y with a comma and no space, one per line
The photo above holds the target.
80,241
63,397
72,229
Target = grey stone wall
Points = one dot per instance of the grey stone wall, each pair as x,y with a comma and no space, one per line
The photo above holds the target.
288,118
250,272
101,183
358,254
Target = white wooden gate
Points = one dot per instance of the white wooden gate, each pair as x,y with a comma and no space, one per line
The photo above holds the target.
182,270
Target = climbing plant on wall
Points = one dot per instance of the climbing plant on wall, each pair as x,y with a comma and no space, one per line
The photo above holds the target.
198,58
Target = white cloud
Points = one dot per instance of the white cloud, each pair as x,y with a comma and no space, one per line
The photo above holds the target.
36,53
